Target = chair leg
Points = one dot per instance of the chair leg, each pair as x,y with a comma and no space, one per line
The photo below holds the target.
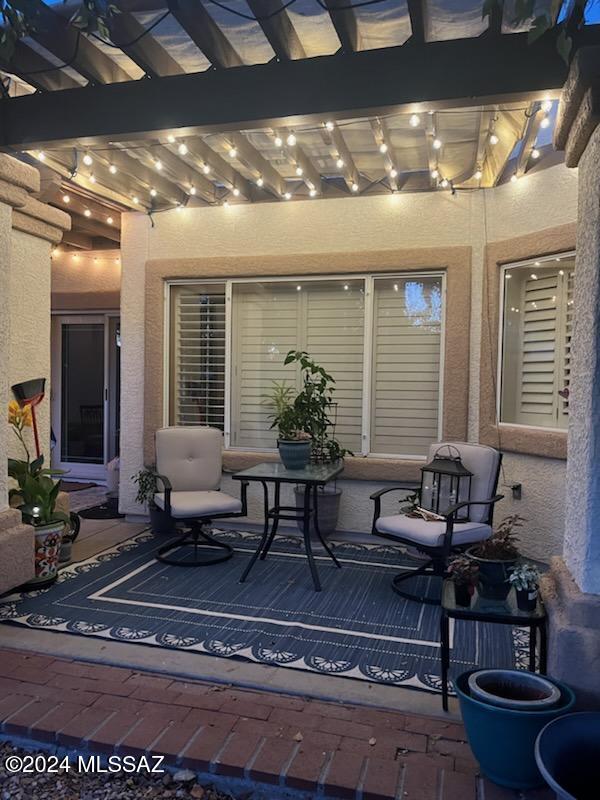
200,556
431,569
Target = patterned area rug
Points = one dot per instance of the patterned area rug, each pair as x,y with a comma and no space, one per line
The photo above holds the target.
356,627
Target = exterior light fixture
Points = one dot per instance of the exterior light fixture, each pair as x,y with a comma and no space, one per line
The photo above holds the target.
445,481
444,183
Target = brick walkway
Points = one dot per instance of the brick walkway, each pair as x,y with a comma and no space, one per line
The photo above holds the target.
339,750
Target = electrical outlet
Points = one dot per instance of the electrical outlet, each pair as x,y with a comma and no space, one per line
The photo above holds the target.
516,491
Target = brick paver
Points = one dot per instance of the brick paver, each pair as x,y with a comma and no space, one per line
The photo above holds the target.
334,749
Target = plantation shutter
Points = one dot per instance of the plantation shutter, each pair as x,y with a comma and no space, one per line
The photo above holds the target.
406,365
325,318
198,357
569,278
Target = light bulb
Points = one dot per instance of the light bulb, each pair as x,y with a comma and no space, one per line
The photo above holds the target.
236,191
561,272
355,187
329,125
339,163
158,165
95,259
299,171
393,172
232,152
533,276
192,190
92,179
538,264
383,148
545,122
136,199
298,288
313,193
206,169
291,140
225,204
346,287
546,106
88,160
109,220
171,139
514,178
535,153
87,213
182,149
395,287
437,143
444,183
75,256
153,192
278,141
478,175
259,181
179,207
112,169
41,156
434,173
414,121
494,139
287,196
66,198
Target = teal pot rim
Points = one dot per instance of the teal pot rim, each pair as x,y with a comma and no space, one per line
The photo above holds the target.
566,702
550,780
293,442
480,692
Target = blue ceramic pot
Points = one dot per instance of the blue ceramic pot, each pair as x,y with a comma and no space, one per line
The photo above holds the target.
567,752
294,454
503,739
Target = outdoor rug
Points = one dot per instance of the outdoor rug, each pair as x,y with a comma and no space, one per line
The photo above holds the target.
355,627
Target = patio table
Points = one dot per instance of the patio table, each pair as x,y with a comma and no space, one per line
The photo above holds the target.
311,477
504,612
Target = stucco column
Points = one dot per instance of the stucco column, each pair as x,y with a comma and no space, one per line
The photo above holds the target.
573,586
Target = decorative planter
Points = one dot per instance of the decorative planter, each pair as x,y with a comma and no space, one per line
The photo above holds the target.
328,509
567,752
294,454
65,552
503,739
526,599
511,688
493,576
160,521
48,540
463,593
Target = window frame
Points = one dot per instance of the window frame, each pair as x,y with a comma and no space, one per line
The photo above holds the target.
369,292
526,262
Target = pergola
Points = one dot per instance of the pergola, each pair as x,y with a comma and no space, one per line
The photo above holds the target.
192,103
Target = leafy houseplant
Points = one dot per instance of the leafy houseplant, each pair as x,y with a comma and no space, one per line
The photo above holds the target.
526,580
35,497
464,572
496,557
160,522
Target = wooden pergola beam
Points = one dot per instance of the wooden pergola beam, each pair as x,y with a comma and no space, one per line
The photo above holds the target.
255,161
205,33
146,177
278,29
37,71
345,24
418,20
78,204
382,137
77,241
94,228
146,52
220,169
175,169
532,128
335,139
369,83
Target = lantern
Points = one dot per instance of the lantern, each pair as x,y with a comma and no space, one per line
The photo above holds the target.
445,481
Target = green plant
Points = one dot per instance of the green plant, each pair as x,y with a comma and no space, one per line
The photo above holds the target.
502,544
38,494
146,483
525,578
464,571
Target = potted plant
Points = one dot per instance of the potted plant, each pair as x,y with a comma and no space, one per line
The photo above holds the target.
464,573
160,521
496,557
293,441
526,580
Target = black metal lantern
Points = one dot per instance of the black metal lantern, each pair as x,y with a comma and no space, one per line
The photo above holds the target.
445,481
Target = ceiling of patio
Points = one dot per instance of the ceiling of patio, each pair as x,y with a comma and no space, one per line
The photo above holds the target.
427,147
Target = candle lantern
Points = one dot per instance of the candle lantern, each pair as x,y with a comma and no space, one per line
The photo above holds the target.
445,481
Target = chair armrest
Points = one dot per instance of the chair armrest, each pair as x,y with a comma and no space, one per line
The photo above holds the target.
167,490
490,501
401,488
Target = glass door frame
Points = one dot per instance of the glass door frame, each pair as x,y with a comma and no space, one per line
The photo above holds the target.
79,469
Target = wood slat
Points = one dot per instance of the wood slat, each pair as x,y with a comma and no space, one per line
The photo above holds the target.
345,24
278,28
205,33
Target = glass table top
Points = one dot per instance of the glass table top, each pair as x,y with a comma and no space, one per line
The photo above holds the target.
275,471
488,609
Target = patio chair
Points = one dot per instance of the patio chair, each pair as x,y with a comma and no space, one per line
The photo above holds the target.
437,540
188,465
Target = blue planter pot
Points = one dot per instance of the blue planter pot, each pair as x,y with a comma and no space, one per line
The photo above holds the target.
503,739
294,455
567,752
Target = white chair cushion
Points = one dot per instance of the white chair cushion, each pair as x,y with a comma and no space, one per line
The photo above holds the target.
431,534
482,461
187,505
190,457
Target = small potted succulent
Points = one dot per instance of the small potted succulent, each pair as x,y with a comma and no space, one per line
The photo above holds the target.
160,521
526,580
464,573
496,557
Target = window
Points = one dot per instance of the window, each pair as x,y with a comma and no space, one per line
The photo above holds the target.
536,342
380,337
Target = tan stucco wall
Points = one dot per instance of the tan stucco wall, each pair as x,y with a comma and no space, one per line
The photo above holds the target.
90,282
350,228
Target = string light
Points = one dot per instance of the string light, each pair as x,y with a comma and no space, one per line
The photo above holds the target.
339,163
225,204
545,122
192,190
346,287
437,144
313,193
260,181
287,196
153,192
434,173
87,213
514,177
535,153
236,191
182,149
494,139
158,164
41,156
414,121
109,220
66,198
112,169
136,199
92,179
393,172
179,207
478,175
95,259
291,140
355,187
278,141
444,183
329,125
383,148
206,169
298,288
232,152
299,171
547,106
171,139
533,276
88,160
75,256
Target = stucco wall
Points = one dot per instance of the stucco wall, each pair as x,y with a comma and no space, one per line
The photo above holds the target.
352,225
5,238
90,282
29,321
